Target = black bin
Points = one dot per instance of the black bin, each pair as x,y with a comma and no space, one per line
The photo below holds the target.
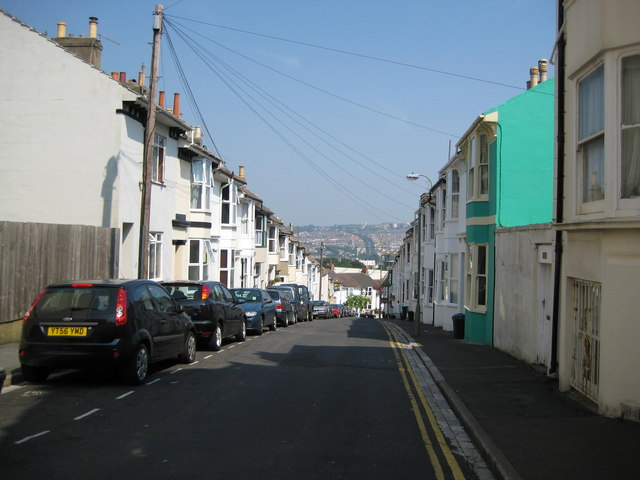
458,325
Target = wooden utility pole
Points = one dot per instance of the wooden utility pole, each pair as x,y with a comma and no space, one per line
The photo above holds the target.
149,133
320,286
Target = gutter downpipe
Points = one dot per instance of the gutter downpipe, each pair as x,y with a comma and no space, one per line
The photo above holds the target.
560,139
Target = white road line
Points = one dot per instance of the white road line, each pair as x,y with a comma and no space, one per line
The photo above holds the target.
175,371
232,346
90,412
208,356
26,439
124,395
151,383
193,363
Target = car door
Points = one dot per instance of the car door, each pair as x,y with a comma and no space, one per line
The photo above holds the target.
269,306
172,323
232,314
148,319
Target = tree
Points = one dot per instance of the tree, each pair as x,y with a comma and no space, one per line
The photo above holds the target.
359,302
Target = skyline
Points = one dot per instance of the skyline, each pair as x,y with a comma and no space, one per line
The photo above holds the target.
312,99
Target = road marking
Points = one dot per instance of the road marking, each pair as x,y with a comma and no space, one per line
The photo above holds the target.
194,362
26,439
409,379
175,371
208,357
151,383
124,395
232,346
90,412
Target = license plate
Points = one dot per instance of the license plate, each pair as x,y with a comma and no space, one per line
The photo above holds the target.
67,331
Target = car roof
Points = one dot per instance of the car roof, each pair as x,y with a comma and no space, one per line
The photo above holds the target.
102,282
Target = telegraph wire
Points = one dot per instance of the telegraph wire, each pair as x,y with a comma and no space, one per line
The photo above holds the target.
326,92
224,78
269,98
354,54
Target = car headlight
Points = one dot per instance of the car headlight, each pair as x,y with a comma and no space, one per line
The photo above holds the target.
251,313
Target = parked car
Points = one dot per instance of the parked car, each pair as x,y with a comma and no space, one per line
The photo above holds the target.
298,307
320,309
124,324
258,307
214,310
304,298
284,306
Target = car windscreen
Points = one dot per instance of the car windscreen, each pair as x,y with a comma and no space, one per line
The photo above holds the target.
66,299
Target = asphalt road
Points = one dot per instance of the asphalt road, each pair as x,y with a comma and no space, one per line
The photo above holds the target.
329,399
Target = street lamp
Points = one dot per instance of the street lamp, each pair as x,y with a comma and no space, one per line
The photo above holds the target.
418,315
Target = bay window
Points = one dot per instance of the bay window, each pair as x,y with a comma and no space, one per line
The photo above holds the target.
591,135
476,287
200,184
630,102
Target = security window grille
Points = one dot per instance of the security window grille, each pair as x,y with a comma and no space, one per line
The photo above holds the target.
586,300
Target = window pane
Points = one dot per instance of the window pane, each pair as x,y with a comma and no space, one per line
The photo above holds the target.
593,170
196,195
481,268
484,179
481,283
631,163
194,251
592,104
453,291
194,273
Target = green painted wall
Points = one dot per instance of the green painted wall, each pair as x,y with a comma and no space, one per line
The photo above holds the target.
523,170
478,327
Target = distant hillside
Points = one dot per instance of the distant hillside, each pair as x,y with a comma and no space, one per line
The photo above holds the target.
361,242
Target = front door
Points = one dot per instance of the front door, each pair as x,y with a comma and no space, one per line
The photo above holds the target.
545,308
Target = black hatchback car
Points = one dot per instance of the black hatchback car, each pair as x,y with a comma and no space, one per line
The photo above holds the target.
125,324
213,308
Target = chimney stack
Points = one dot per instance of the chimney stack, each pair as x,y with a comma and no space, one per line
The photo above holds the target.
241,171
93,27
161,99
88,48
176,104
123,77
141,78
543,67
114,75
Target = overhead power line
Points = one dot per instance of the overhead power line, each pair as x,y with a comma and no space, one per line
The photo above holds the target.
354,54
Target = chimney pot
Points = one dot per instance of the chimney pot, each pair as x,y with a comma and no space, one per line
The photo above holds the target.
93,27
114,75
176,104
241,171
141,78
533,72
123,77
161,99
543,67
62,29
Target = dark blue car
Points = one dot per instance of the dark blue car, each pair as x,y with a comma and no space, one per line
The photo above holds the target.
259,308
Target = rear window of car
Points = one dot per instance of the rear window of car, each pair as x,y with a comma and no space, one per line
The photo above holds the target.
184,291
274,295
74,298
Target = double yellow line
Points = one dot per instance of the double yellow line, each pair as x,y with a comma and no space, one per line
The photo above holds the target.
438,444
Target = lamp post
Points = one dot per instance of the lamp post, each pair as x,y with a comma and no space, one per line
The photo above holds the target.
418,315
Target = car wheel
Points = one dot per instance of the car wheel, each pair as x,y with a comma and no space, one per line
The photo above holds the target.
274,326
285,324
242,336
216,340
188,354
295,318
136,371
35,374
261,326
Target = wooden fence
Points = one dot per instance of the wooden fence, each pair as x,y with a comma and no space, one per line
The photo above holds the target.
32,255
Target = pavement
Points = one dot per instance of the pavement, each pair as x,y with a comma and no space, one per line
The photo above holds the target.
523,426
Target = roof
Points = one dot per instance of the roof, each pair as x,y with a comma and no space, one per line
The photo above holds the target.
354,280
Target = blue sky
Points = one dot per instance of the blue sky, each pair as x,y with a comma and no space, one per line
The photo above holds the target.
339,132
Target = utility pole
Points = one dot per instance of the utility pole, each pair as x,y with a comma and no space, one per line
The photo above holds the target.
418,315
320,286
149,133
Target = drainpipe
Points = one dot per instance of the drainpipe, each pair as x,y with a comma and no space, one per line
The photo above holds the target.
560,139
